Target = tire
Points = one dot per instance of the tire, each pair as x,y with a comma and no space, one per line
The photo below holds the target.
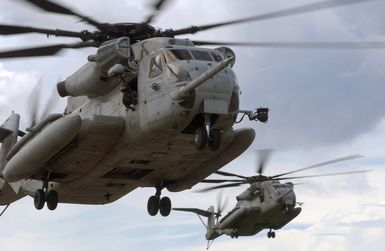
214,141
273,235
52,200
39,199
200,137
165,206
153,205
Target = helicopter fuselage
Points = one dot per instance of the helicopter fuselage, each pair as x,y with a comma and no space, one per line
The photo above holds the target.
264,205
138,129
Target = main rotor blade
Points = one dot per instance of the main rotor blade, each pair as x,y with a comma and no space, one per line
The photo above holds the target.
15,29
218,181
157,8
350,157
276,14
43,50
322,175
343,45
5,209
230,174
56,8
220,186
264,156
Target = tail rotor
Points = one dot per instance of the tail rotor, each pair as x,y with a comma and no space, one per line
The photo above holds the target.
221,205
34,106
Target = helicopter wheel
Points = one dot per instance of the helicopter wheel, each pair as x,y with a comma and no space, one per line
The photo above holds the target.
214,140
271,234
200,137
52,200
165,206
153,205
39,199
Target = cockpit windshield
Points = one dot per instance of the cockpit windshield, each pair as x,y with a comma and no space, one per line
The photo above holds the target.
172,55
177,54
201,55
281,188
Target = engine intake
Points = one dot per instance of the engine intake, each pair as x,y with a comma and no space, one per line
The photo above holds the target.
91,79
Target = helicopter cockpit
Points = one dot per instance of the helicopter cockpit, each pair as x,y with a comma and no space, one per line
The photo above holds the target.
173,57
281,188
192,54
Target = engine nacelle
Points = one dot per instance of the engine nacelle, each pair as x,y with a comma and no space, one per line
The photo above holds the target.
29,159
92,79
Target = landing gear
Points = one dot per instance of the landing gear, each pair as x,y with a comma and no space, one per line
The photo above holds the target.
214,139
165,206
235,234
157,204
271,234
202,138
52,200
153,205
43,195
39,199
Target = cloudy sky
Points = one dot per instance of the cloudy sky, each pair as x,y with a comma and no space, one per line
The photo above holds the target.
324,104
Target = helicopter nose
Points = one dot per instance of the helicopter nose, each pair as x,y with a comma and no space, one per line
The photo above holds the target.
201,79
289,200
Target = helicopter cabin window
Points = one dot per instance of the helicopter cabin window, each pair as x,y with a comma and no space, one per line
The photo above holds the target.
177,54
202,55
156,67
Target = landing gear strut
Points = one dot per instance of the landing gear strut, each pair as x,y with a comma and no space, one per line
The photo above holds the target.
271,234
157,204
43,195
211,139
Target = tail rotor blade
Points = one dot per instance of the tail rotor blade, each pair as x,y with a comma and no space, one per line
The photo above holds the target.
51,104
33,104
221,205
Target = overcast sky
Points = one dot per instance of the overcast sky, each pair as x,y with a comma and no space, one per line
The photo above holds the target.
324,104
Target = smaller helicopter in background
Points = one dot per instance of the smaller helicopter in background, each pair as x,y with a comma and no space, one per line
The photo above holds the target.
265,204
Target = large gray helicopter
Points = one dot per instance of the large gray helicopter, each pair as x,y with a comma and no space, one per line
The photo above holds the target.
265,204
147,110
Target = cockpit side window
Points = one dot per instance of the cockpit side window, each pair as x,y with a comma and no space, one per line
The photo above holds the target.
216,56
177,54
156,67
201,55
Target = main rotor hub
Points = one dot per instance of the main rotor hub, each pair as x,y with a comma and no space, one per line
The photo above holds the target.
135,31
